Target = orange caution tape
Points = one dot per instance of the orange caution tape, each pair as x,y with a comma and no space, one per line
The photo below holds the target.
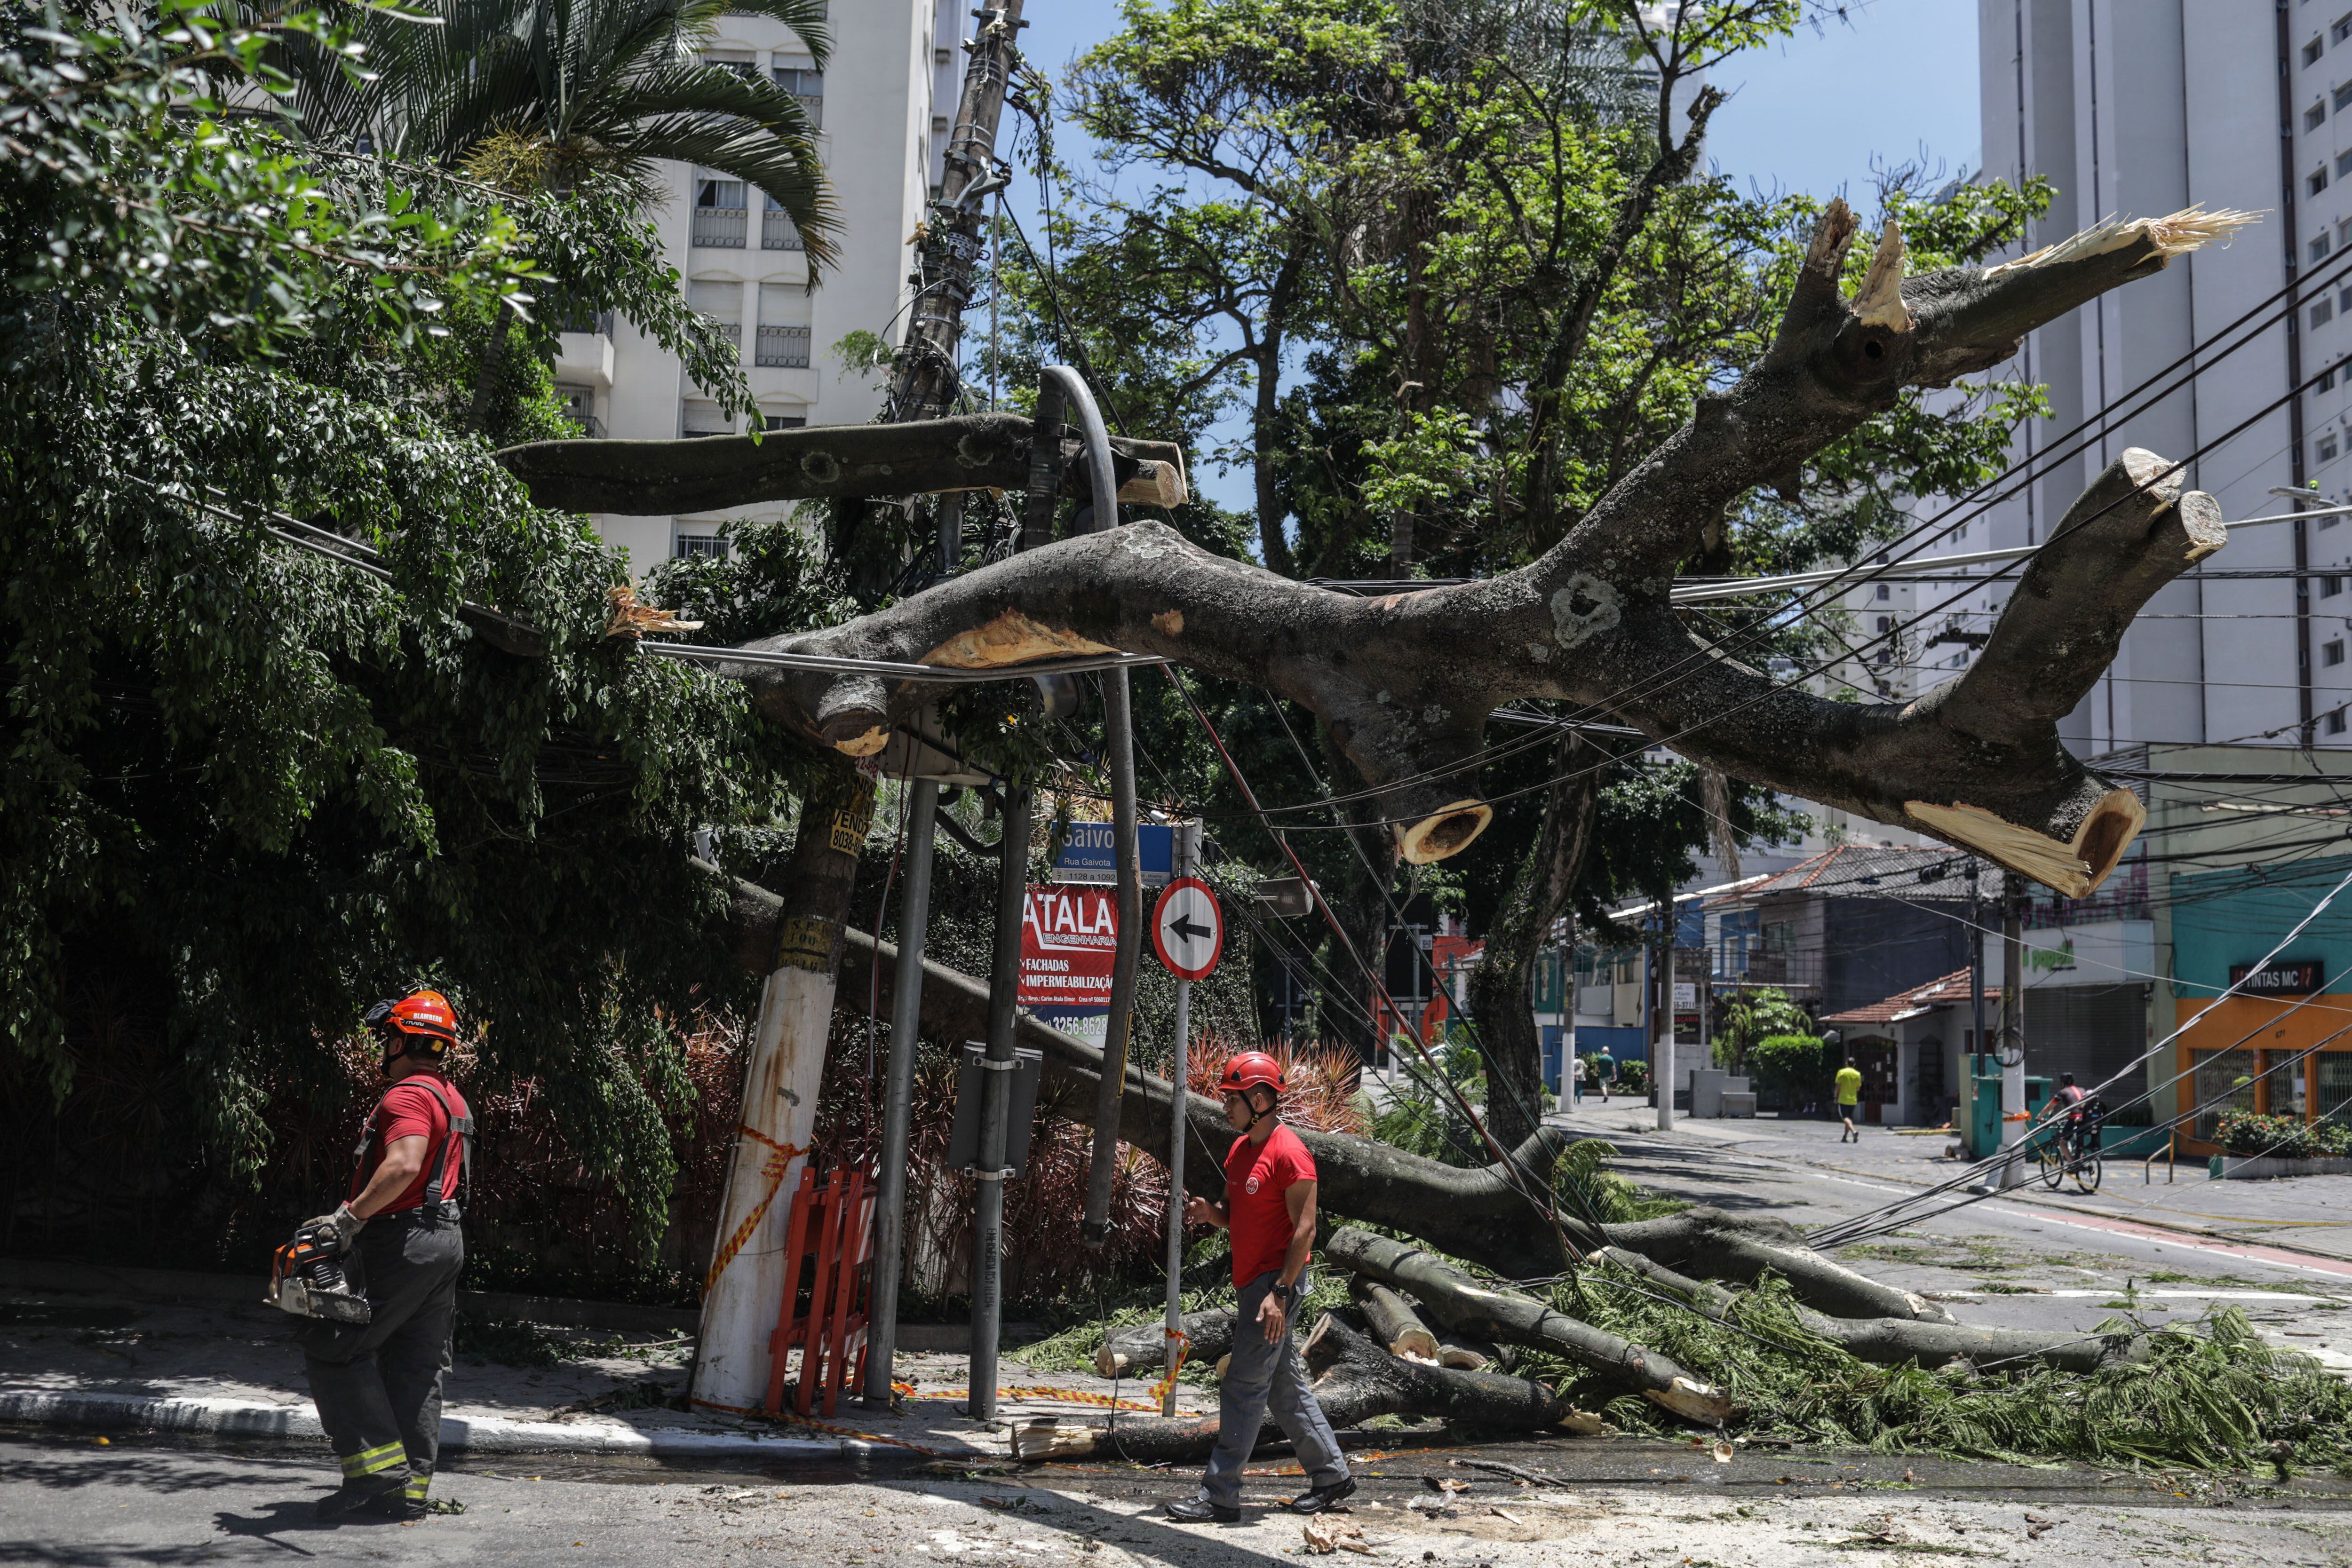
1159,1394
781,1156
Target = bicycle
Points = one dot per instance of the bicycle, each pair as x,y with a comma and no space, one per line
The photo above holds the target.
2070,1146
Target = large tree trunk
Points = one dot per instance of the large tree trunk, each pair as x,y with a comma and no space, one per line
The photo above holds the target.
1538,897
1892,1341
1211,1334
1355,1381
1464,1305
1714,1245
1404,682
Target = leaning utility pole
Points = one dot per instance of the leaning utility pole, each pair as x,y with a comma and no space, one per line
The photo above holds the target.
2012,1026
923,385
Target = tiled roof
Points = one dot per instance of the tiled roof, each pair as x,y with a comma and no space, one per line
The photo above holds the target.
1939,993
1871,870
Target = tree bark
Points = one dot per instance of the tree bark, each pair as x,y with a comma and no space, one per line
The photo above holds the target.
1404,682
1394,1324
1713,1245
1141,1348
1464,1305
1355,1381
1892,1341
966,451
1499,1000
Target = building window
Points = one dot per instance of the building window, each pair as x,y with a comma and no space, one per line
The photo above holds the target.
580,408
698,419
719,213
783,421
1886,623
2316,180
783,325
2326,379
2336,722
722,303
2332,653
1885,591
685,546
2323,312
2315,116
2326,450
784,346
2343,28
743,65
2317,248
2311,52
2329,587
806,86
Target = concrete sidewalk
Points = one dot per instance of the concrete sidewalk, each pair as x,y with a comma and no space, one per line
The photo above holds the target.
201,1355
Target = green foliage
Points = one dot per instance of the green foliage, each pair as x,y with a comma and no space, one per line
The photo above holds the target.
1633,1077
549,95
2209,1395
2248,1134
1590,1190
249,790
1793,1060
1752,1014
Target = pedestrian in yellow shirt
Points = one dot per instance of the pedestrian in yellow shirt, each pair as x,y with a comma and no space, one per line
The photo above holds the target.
1849,1095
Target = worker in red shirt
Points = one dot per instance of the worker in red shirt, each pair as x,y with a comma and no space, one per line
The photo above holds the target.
1270,1209
378,1384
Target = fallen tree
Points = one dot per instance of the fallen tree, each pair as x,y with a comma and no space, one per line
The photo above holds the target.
1404,682
1355,1380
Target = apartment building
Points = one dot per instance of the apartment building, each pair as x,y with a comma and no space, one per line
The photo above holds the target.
883,105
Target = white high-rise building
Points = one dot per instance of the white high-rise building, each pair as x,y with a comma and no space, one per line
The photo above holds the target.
883,102
2137,109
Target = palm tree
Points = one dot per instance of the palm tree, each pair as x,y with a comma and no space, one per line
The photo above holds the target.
542,92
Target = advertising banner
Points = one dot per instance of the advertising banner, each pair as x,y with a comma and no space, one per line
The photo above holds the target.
1068,936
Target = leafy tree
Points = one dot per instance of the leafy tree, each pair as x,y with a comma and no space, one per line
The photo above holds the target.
250,788
1750,1016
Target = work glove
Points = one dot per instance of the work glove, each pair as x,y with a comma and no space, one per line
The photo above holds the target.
343,1222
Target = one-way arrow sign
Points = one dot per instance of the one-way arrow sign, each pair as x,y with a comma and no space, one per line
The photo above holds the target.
1188,932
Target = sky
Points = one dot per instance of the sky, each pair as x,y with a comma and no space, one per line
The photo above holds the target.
1810,114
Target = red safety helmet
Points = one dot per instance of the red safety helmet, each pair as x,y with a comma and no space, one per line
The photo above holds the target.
1248,1069
422,1022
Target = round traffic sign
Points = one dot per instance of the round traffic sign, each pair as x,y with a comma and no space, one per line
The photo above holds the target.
1187,931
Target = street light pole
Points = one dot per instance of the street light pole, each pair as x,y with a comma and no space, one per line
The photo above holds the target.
1179,1074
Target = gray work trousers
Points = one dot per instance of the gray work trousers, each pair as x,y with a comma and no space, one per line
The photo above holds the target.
1262,1377
378,1385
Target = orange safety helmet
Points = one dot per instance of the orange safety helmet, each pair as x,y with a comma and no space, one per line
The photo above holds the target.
1248,1069
422,1022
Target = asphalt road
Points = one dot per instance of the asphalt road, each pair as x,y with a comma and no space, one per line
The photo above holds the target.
134,1501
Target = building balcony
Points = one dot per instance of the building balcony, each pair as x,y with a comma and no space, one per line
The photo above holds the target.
778,231
720,228
585,359
785,346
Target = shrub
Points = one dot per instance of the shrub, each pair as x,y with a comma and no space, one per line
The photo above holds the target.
1791,1060
1633,1077
2248,1134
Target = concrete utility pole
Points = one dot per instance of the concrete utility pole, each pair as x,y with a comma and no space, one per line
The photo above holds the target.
1180,1073
2012,1023
780,1080
1976,976
899,1093
995,1097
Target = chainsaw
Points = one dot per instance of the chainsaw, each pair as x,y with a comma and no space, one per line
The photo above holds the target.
307,1279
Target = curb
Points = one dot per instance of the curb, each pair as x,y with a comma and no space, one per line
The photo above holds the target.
470,1434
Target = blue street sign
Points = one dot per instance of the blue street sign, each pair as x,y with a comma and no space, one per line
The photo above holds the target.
1088,856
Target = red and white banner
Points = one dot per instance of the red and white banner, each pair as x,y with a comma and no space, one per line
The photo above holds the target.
1068,936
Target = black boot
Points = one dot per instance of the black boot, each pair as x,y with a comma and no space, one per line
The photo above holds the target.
1321,1498
1201,1510
367,1495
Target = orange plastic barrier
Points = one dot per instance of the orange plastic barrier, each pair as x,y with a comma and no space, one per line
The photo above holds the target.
831,1232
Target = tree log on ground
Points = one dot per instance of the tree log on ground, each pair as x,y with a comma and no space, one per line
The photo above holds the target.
1713,1245
1393,1321
1355,1381
1891,1341
1483,1216
1404,682
1462,1303
1464,1353
1141,1351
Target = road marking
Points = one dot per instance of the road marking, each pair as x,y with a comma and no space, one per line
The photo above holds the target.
2194,1295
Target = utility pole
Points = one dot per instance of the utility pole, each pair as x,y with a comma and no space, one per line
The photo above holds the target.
1180,1073
1662,1059
923,386
995,1097
2012,1024
1975,979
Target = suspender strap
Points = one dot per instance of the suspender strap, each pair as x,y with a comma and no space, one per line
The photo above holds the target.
459,1133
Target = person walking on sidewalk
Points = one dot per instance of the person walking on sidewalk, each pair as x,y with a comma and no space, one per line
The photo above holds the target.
1270,1209
1849,1095
1604,1072
378,1384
